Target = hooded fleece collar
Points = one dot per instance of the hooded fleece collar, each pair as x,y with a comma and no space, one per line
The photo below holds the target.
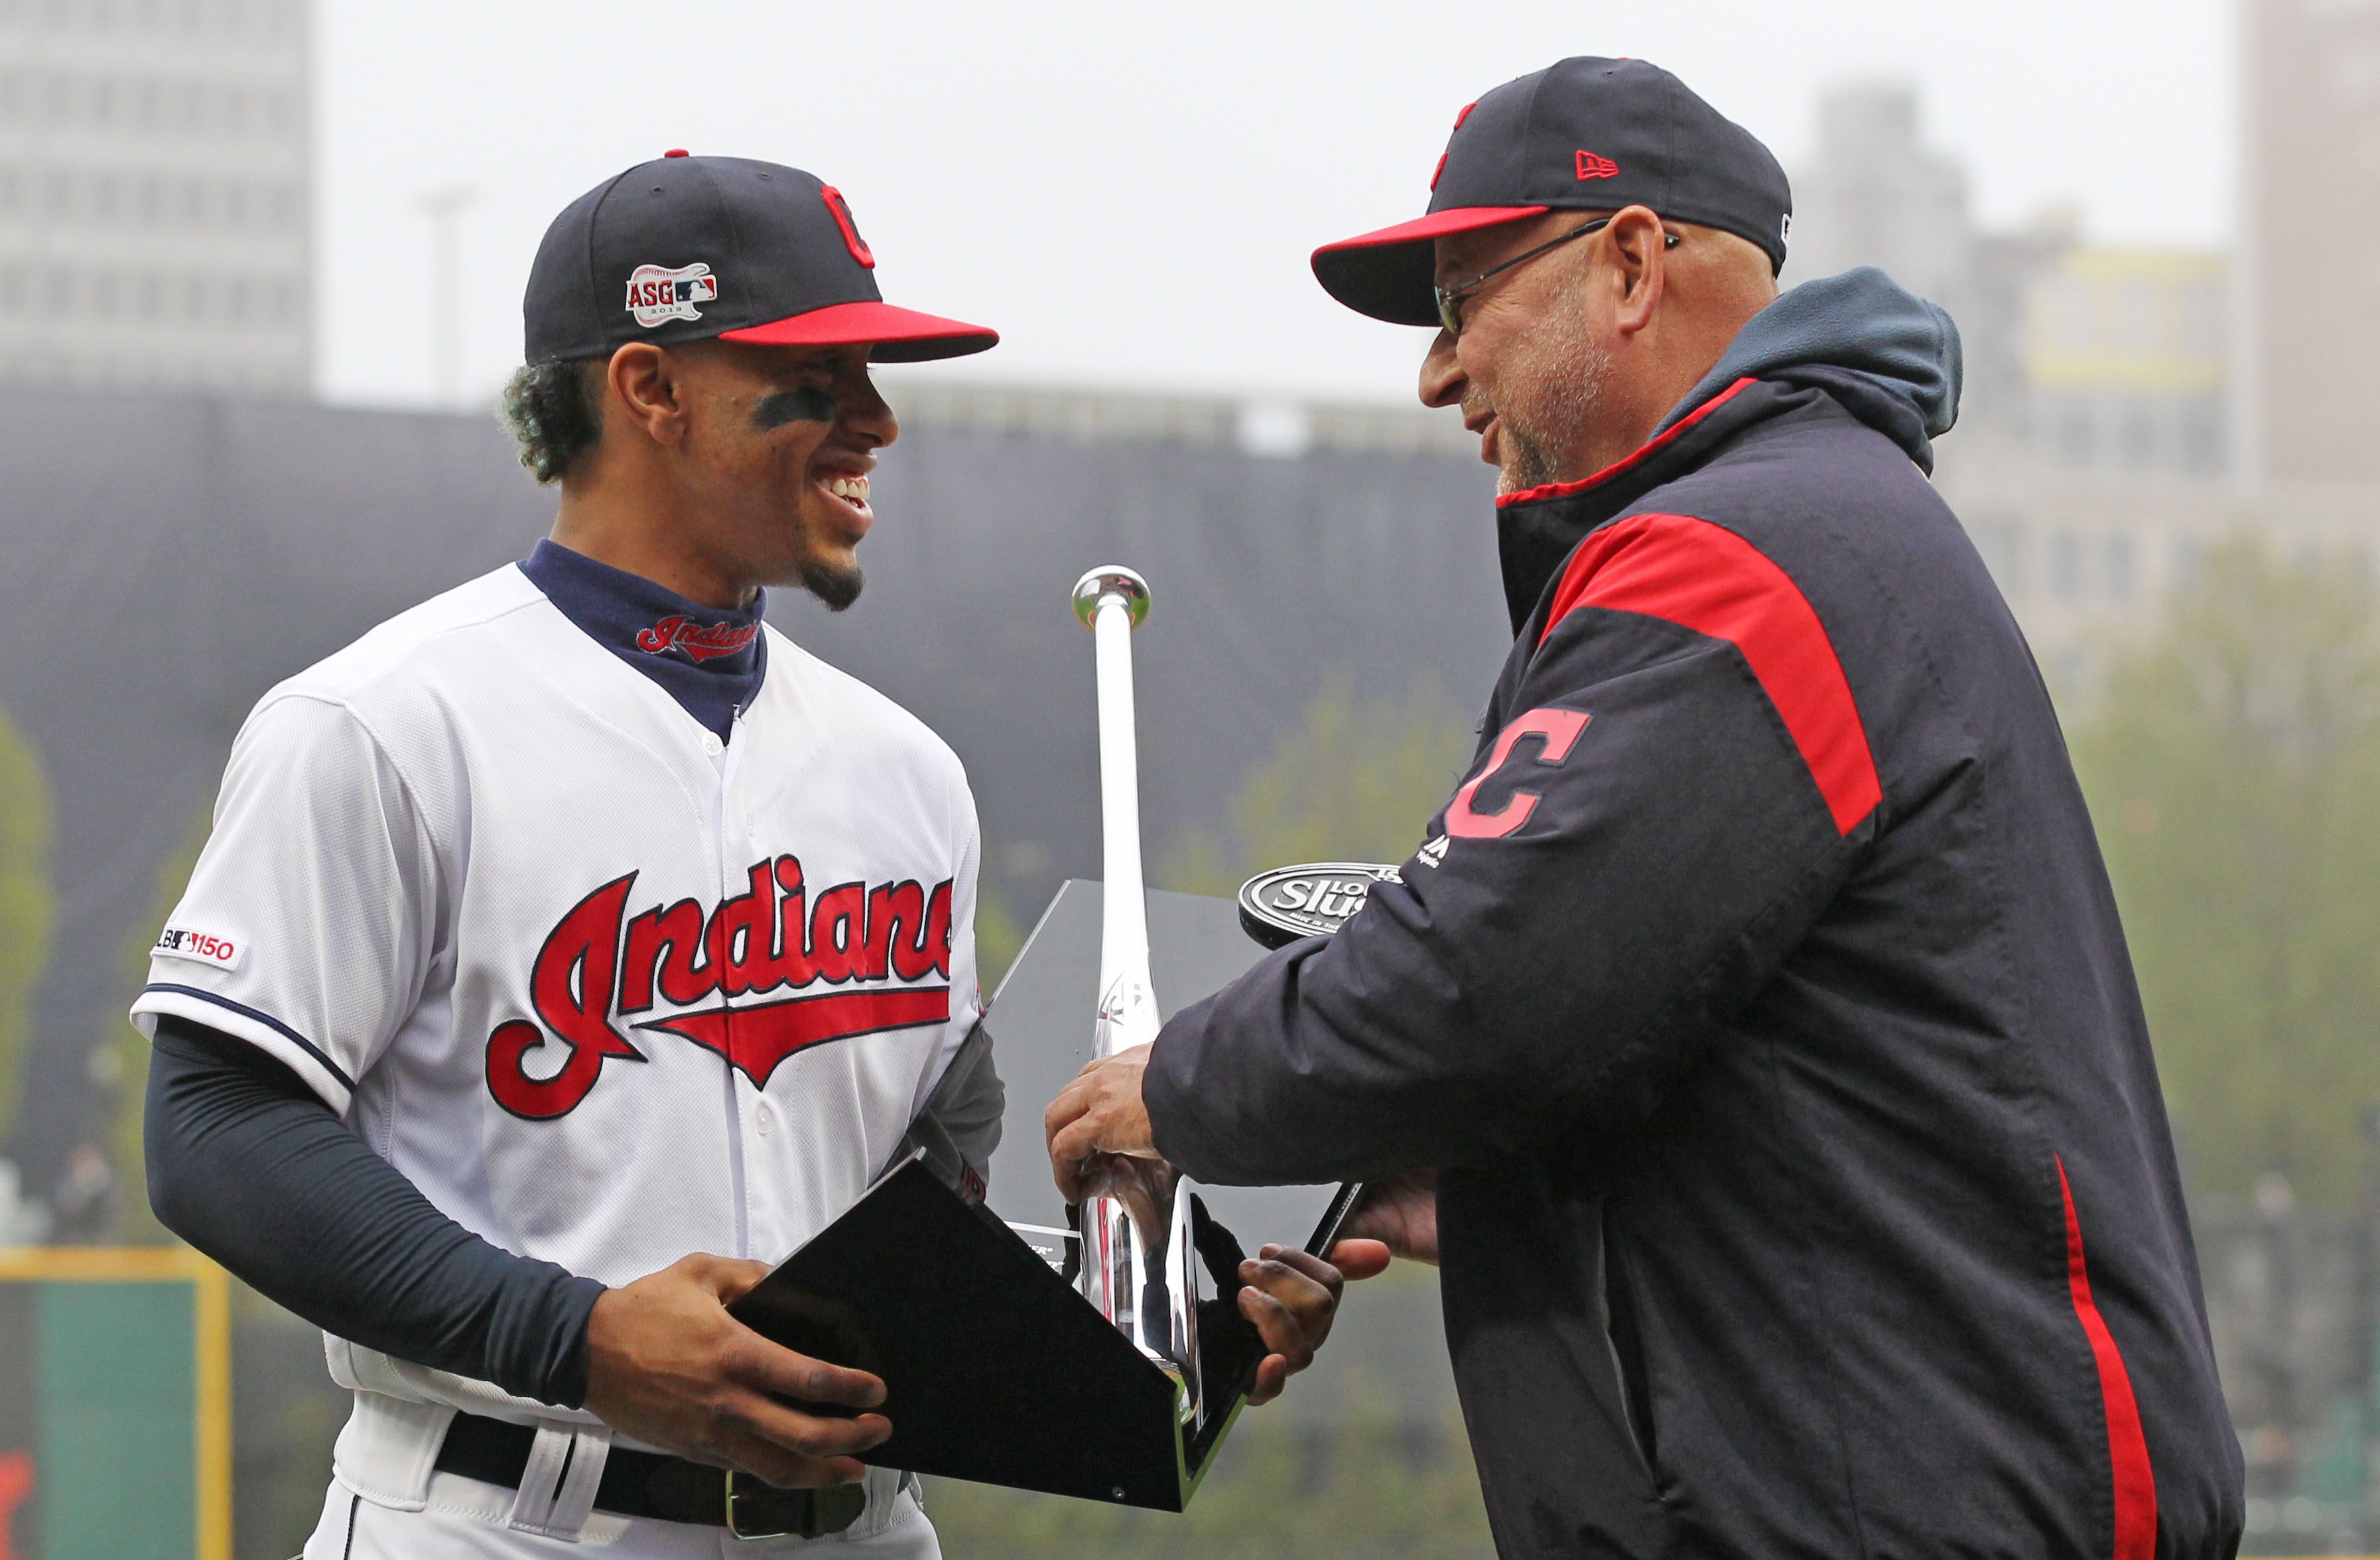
1889,356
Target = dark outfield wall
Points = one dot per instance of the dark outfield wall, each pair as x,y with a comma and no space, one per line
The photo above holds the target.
164,559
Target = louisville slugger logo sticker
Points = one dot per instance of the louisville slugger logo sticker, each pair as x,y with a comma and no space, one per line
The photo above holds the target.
599,962
658,292
1289,902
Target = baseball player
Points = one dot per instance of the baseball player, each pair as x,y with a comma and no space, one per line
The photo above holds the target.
575,920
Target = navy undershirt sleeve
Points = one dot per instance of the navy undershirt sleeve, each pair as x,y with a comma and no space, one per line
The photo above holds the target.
250,1166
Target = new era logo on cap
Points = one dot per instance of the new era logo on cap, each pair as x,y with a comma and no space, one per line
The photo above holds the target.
658,293
1590,166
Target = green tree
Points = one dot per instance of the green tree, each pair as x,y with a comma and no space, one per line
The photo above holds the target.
26,908
1351,781
2233,765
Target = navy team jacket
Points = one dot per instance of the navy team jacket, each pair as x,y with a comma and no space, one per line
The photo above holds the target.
1805,1188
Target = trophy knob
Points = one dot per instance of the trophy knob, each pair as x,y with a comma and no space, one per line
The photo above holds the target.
1111,579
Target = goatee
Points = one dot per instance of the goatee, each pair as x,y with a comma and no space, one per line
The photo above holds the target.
1526,464
837,588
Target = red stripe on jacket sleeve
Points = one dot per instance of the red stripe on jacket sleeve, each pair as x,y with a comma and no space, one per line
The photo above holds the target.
1707,578
2128,1449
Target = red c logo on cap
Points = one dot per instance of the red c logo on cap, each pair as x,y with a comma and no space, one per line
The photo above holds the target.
1440,172
851,239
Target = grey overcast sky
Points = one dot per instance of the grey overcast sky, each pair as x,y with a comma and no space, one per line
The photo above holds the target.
1128,192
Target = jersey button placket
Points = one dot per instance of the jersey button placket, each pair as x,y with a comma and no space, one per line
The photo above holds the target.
729,864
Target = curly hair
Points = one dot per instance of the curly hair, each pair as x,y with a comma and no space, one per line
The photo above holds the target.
554,410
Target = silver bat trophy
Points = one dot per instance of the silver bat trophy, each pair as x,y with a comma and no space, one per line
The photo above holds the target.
1139,1264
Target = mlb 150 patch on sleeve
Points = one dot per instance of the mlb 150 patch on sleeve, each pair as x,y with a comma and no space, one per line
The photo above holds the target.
204,948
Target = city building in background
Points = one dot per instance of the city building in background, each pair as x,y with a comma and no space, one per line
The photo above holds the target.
2098,453
1874,195
2308,229
2124,360
2077,358
154,226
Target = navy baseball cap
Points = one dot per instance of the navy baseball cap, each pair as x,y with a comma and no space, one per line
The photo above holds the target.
684,249
1589,134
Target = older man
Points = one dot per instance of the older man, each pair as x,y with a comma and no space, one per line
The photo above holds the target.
1753,1035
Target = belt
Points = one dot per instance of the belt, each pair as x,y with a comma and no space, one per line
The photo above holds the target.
649,1484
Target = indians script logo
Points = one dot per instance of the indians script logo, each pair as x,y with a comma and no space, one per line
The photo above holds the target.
658,293
680,632
599,960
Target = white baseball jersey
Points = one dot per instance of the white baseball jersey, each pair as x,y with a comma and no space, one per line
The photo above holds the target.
607,989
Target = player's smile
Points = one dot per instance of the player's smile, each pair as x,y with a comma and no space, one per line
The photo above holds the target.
835,514
847,488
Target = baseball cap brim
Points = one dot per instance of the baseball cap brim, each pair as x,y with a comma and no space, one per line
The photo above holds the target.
1387,275
899,335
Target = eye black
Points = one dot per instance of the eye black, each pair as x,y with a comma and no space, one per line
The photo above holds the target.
807,402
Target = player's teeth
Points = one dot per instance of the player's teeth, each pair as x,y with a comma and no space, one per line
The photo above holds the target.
849,487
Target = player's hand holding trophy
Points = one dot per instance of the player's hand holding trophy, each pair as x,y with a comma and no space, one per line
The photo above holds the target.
996,1370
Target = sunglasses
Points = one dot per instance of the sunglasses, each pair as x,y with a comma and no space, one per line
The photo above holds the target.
1450,316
